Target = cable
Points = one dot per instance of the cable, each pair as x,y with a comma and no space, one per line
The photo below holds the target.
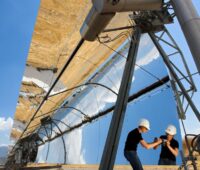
114,50
109,39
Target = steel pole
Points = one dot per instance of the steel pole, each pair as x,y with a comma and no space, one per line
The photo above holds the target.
190,24
112,141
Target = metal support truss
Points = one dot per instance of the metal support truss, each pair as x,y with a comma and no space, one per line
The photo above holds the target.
182,93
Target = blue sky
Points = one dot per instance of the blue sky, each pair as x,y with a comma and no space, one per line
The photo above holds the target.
17,24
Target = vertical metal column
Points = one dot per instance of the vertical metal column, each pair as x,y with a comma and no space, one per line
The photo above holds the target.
175,77
112,141
190,24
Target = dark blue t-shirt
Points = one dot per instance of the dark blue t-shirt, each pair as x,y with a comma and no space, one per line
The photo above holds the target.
133,138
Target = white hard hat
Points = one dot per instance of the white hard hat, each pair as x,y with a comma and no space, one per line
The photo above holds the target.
145,123
171,130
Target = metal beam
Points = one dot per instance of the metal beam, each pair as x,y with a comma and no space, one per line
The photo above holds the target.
112,141
117,29
190,25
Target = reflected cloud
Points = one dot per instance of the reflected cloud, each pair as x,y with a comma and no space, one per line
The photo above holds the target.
43,79
152,55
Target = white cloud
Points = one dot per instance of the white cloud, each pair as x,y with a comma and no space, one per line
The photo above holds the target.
5,124
3,145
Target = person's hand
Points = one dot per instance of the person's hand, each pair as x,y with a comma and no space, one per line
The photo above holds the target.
168,143
159,140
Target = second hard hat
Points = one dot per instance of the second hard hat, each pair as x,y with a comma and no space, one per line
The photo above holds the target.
171,130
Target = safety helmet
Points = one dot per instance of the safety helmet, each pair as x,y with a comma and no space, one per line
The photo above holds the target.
171,130
145,123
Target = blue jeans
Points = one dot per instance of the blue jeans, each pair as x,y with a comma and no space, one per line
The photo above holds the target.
165,161
134,160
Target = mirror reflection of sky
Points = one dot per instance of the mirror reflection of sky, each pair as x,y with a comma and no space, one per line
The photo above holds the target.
85,145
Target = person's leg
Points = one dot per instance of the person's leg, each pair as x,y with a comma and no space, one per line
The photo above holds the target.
161,161
171,162
134,160
164,161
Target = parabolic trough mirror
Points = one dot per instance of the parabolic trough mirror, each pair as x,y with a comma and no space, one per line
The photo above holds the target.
84,145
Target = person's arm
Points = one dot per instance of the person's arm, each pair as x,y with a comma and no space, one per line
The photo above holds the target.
150,145
174,151
155,140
